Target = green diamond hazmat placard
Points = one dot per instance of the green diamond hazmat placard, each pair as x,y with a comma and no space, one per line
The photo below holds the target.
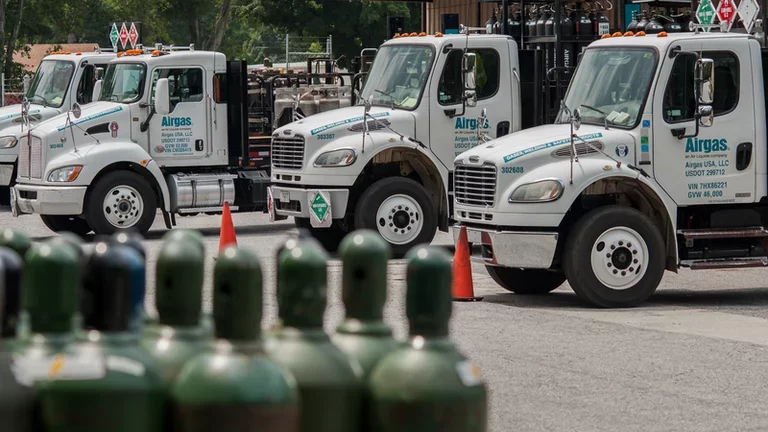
319,208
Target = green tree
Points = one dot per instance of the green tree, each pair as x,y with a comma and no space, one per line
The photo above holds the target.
353,25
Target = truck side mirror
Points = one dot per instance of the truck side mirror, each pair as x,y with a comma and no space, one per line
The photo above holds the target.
469,66
705,78
99,73
706,115
162,97
96,90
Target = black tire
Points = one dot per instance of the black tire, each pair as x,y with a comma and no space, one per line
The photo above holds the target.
526,281
95,214
63,223
376,194
577,260
330,238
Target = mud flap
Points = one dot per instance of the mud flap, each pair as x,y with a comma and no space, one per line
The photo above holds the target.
273,216
14,203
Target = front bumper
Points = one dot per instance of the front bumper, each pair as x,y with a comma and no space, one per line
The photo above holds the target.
48,200
293,201
518,249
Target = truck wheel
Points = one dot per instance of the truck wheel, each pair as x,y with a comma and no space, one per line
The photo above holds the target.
400,210
61,223
526,281
614,257
330,238
121,200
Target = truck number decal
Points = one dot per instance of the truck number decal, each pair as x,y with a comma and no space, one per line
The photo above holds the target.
512,170
706,190
328,136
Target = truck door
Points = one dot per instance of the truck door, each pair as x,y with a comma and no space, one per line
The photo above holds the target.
451,132
715,166
181,137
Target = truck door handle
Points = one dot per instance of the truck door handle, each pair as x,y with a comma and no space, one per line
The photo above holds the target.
743,155
678,132
502,129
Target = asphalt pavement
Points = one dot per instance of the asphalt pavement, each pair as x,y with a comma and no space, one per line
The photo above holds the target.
690,359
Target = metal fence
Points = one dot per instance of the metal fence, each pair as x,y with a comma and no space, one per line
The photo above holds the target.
12,89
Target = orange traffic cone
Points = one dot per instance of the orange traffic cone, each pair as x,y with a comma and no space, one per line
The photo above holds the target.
463,288
227,234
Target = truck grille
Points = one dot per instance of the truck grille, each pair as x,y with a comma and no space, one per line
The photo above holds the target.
475,185
288,152
30,157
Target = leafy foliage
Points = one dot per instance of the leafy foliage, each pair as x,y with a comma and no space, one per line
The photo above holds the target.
246,29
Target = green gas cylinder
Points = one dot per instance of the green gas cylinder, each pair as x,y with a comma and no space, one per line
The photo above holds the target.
106,383
49,301
16,240
177,335
426,384
185,234
236,386
10,294
83,251
329,382
363,335
16,399
196,237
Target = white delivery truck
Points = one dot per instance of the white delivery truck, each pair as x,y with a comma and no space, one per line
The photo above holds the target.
62,79
334,173
169,131
658,161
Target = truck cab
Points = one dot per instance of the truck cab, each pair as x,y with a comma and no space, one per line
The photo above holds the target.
161,122
657,161
385,164
62,79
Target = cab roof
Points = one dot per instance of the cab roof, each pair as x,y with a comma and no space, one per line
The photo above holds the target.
437,39
154,58
78,56
662,40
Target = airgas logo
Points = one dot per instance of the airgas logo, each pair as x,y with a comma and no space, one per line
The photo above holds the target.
176,121
695,145
470,124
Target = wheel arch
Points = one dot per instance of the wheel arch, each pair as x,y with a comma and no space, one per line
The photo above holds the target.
406,162
632,192
152,176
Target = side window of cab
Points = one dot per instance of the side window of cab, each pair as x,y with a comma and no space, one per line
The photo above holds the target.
451,89
184,85
679,98
84,92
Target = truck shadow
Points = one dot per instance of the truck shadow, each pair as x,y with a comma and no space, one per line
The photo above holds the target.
664,298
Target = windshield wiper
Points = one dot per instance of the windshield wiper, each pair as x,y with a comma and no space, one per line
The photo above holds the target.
45,102
605,117
391,98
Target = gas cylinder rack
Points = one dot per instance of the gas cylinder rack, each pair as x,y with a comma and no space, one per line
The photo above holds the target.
552,33
655,16
271,97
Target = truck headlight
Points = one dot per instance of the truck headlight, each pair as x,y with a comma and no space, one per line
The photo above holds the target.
540,191
8,142
336,158
65,174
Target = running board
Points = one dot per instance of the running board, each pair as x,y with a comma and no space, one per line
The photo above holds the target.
725,263
719,233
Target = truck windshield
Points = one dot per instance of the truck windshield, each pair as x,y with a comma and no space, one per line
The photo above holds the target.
123,82
50,84
398,75
613,80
